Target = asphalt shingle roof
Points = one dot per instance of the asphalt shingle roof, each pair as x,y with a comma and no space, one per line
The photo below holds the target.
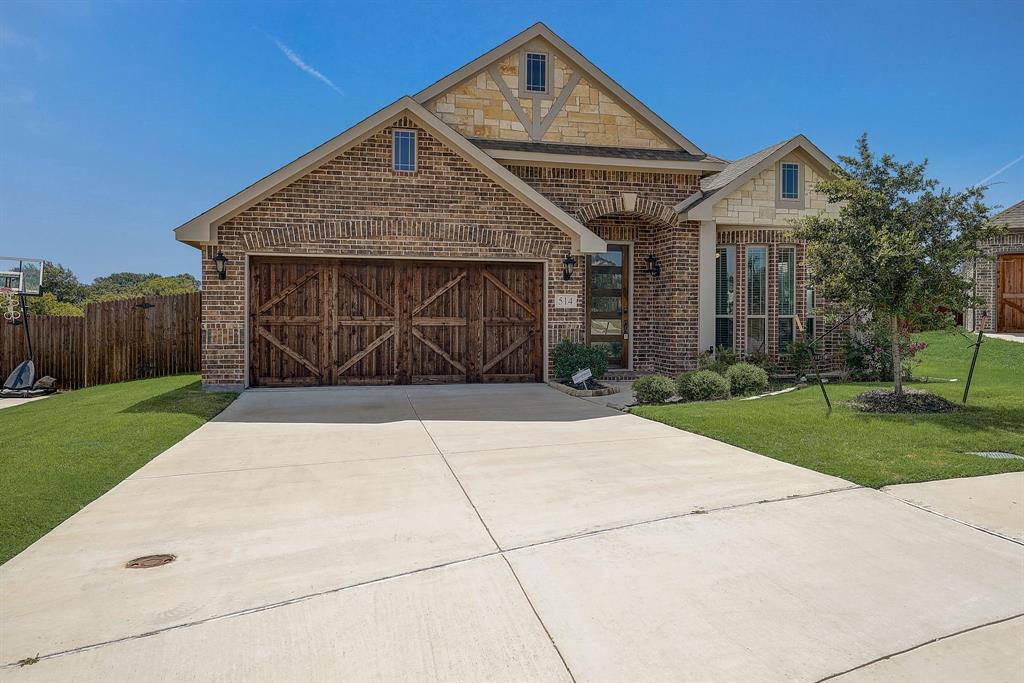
586,150
1013,216
737,168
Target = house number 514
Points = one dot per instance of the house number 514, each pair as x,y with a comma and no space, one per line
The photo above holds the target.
565,301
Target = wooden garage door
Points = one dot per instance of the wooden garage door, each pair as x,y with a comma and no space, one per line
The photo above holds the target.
1010,293
343,321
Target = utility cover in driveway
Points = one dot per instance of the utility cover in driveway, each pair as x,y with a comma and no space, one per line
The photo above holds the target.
372,321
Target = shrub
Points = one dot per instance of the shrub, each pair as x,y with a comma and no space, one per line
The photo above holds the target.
653,389
702,385
570,358
761,360
719,361
797,357
869,353
746,379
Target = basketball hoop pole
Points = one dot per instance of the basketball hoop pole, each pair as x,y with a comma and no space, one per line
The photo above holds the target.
24,320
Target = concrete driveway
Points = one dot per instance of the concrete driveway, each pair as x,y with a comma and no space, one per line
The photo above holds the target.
500,533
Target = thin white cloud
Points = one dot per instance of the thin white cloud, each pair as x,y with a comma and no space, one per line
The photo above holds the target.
17,96
297,61
1007,166
18,41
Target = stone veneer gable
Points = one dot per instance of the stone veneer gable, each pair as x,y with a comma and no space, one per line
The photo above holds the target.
476,107
754,203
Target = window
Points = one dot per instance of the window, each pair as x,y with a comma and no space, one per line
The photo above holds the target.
811,303
404,156
790,187
757,294
725,285
787,297
536,72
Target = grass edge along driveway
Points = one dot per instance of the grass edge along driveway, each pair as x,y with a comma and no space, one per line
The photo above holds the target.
63,452
879,450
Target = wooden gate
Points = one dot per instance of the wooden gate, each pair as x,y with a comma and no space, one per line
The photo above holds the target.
346,321
1010,293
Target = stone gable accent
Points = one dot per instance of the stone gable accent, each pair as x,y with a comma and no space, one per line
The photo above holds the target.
587,115
754,203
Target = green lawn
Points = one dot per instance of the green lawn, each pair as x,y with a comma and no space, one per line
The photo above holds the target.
878,450
65,451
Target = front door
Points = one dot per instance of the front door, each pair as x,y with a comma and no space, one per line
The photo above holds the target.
608,304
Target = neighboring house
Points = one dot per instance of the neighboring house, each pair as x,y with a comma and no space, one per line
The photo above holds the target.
999,277
458,234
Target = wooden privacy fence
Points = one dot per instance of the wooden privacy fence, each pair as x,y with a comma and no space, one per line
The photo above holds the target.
114,341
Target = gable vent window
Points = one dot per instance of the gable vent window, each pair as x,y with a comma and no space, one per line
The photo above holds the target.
404,152
536,72
790,181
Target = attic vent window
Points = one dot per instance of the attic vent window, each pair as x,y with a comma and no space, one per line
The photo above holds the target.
404,152
790,181
536,72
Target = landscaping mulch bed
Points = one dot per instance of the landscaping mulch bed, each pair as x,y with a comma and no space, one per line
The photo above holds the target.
912,401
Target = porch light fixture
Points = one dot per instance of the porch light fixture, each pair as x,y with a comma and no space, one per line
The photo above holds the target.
653,267
568,265
221,261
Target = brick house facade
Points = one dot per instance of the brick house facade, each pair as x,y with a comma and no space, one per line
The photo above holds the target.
998,277
504,171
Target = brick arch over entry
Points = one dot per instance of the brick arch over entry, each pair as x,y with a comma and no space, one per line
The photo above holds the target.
629,204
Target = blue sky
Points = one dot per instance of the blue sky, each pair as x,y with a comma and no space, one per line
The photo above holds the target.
120,120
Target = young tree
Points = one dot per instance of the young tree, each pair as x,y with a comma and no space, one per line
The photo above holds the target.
62,292
897,246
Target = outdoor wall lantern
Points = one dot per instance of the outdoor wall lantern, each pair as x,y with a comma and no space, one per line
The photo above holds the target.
568,265
653,267
221,261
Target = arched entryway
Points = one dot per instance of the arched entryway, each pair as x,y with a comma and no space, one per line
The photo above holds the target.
626,303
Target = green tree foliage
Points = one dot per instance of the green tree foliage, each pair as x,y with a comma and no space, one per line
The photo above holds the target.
127,285
62,283
897,246
49,304
64,294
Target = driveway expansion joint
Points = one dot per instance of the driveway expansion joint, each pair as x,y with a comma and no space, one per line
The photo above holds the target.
952,519
499,551
511,569
919,645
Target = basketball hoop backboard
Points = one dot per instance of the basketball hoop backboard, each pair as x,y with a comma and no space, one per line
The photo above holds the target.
19,275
